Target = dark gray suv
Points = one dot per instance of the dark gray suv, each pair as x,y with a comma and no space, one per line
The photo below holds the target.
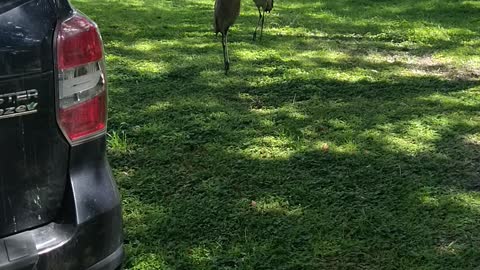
59,205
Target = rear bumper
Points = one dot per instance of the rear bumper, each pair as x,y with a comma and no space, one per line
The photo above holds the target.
58,246
87,235
112,262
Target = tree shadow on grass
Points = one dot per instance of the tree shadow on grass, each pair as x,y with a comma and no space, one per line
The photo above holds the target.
313,209
373,199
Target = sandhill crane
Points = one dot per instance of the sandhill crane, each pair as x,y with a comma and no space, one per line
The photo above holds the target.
226,12
263,6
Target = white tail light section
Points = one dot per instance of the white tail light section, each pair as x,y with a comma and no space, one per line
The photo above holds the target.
82,94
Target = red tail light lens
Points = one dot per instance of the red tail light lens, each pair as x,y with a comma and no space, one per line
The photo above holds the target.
78,43
82,104
84,119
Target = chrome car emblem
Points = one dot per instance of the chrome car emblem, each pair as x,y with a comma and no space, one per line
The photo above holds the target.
18,103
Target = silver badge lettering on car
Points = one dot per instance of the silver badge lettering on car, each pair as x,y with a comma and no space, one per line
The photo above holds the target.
18,103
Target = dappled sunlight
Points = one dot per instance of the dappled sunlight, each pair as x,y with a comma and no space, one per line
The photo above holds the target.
291,31
399,143
419,136
158,107
464,55
412,137
117,143
472,139
200,255
269,148
146,260
467,200
452,101
429,201
427,34
339,124
471,4
140,66
290,111
143,46
276,206
454,200
344,148
327,56
257,55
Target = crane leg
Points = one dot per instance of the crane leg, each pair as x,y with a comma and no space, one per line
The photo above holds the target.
226,59
263,22
258,24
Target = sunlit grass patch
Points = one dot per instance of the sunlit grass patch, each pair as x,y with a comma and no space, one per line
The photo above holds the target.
270,148
158,107
201,255
117,142
276,206
144,261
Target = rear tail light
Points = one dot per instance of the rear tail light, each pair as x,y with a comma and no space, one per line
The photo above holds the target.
82,93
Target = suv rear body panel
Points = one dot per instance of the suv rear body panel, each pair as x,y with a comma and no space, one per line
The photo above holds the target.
59,204
35,156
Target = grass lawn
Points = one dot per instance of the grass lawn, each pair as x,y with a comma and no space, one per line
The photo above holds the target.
349,138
